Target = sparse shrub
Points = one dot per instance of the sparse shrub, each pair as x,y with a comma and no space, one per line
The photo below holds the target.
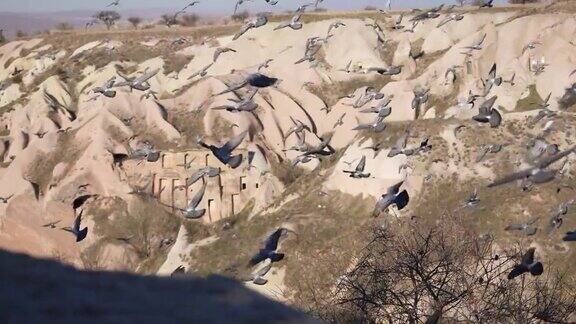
320,9
240,16
135,21
64,26
2,38
189,20
168,20
432,274
370,8
108,17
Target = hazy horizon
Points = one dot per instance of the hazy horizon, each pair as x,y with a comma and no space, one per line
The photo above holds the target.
206,6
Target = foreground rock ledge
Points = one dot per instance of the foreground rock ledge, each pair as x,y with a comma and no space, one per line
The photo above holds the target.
43,291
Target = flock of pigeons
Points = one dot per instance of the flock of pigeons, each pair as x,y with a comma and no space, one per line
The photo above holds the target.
487,113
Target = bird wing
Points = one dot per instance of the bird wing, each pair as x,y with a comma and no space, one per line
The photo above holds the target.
444,21
487,105
265,268
548,161
492,73
110,82
195,201
528,257
547,98
271,243
77,221
402,140
514,227
480,43
512,177
242,30
79,201
146,76
195,176
361,164
393,190
234,142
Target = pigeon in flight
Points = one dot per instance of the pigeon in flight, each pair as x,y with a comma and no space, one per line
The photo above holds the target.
75,229
139,83
393,196
224,153
293,23
269,251
192,211
106,90
257,277
257,80
488,114
528,264
358,173
255,22
525,227
536,174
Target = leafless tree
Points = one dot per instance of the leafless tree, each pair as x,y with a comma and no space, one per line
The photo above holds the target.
108,17
418,274
168,20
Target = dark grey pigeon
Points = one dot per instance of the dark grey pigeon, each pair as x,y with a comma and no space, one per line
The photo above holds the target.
224,153
570,236
488,114
269,251
75,229
392,197
528,264
257,80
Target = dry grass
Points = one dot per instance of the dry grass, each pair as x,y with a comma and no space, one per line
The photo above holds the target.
68,151
331,93
531,102
330,230
143,222
175,63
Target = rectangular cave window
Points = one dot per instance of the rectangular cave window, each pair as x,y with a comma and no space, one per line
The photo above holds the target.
257,186
243,184
210,206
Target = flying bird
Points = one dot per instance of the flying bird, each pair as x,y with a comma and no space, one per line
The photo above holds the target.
393,196
358,172
535,174
138,83
270,248
527,265
80,234
255,22
224,153
191,211
488,114
114,3
293,23
525,227
106,89
257,80
221,50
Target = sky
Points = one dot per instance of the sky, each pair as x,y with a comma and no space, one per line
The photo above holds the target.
205,6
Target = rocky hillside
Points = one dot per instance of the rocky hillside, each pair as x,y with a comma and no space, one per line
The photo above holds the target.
427,83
